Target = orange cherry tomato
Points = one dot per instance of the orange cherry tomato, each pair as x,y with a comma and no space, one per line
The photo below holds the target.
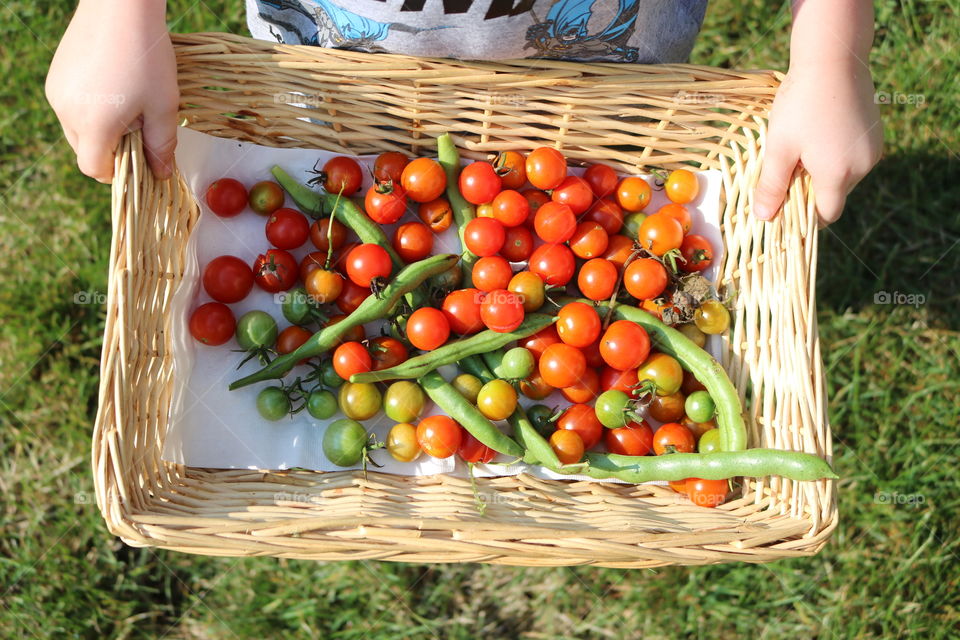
645,278
568,445
589,240
633,194
673,437
423,180
682,186
659,234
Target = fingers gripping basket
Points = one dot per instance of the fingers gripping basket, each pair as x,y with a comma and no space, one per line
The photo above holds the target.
635,117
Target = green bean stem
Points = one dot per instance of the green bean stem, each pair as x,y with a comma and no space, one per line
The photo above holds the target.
463,211
374,307
452,352
457,407
718,465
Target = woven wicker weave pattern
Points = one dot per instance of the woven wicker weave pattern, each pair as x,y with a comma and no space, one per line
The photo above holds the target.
635,117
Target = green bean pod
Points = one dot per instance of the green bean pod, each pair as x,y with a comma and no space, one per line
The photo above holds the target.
463,211
718,465
733,431
457,407
474,365
374,307
452,352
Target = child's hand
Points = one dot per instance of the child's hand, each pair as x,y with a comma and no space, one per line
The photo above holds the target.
115,72
824,115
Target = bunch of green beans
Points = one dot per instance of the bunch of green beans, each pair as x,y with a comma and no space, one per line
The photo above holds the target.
463,211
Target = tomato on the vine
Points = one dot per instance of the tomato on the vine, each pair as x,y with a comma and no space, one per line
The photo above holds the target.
287,229
546,168
342,175
427,328
212,323
389,166
227,279
462,309
597,279
368,262
645,278
492,272
555,222
696,252
502,310
276,270
479,182
574,192
413,241
385,202
436,214
423,179
602,179
554,263
484,236
226,197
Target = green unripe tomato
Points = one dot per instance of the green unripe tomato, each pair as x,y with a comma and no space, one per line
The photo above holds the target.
631,224
709,441
273,403
296,306
540,417
344,442
516,364
611,409
256,330
468,386
328,375
404,401
321,404
700,406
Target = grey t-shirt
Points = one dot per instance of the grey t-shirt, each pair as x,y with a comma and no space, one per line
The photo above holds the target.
648,31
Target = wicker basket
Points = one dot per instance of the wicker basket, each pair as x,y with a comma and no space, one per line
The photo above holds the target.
636,117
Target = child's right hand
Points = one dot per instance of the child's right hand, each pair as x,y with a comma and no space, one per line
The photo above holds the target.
115,72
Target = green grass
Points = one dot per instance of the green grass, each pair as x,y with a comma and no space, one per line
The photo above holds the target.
893,375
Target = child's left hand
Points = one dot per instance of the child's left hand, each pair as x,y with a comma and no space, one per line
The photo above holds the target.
826,118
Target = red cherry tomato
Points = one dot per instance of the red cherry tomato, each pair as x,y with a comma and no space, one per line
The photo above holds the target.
484,236
321,228
439,436
517,244
561,365
479,182
697,253
536,199
367,262
546,168
602,180
510,208
342,175
538,342
291,339
385,203
389,166
581,419
472,450
625,380
586,389
574,192
492,272
624,345
706,493
511,167
597,279
226,197
427,328
578,324
589,240
212,323
351,296
607,214
502,310
645,278
592,353
276,270
635,439
413,241
387,352
350,358
555,222
673,437
287,229
462,309
554,263
227,279
423,180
